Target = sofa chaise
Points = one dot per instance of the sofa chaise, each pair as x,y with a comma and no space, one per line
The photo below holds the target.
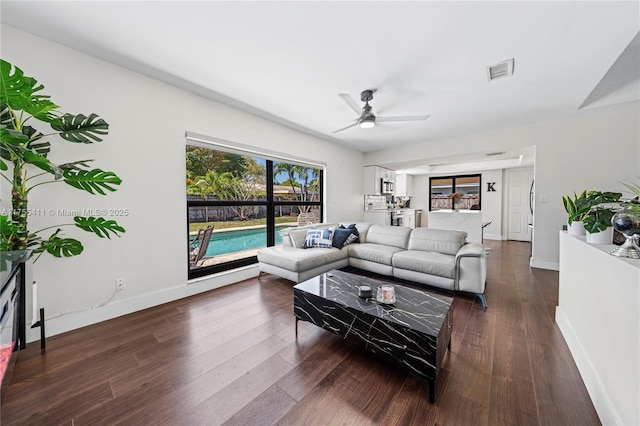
432,257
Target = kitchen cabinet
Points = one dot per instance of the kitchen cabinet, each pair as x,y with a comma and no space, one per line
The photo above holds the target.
410,219
378,179
378,217
403,185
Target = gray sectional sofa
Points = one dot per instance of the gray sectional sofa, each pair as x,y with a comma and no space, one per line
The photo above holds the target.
434,257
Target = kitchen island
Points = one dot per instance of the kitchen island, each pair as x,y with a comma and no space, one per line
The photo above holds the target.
469,221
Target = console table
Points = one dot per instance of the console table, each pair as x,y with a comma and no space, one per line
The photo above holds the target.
12,309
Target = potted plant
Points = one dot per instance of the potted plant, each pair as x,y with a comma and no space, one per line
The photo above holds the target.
24,163
598,223
577,209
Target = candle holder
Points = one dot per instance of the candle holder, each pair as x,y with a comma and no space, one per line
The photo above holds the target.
386,294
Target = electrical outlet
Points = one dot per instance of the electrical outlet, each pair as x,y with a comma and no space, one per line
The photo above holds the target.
121,284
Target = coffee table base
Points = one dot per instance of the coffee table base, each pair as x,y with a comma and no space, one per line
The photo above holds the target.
381,329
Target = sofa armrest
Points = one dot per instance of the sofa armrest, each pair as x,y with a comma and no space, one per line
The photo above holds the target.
471,268
471,250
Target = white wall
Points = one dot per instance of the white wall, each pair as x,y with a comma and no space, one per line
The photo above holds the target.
597,148
146,148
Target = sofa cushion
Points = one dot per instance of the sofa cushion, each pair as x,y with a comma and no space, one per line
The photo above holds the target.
395,236
437,240
298,236
345,235
377,253
428,262
321,237
361,227
297,260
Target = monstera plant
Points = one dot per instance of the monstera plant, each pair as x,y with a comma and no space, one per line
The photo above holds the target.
30,125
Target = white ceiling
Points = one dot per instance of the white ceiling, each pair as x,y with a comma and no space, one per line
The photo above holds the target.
288,61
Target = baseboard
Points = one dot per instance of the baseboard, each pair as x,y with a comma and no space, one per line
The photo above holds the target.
497,237
544,264
592,382
75,320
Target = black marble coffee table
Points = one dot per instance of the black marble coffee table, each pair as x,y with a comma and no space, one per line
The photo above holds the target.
415,331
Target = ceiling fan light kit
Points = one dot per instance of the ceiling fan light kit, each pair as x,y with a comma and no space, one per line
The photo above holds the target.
368,122
367,118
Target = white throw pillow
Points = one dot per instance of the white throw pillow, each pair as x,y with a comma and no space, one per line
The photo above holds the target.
321,237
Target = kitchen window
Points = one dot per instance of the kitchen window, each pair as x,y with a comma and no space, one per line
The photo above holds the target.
441,189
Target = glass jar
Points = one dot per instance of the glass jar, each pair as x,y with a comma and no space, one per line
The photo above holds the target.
627,222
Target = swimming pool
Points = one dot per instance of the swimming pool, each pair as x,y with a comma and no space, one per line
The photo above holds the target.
238,240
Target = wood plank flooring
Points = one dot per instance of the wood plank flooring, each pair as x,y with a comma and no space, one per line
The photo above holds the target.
230,356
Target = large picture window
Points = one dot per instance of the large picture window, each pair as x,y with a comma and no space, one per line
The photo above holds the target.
237,203
464,190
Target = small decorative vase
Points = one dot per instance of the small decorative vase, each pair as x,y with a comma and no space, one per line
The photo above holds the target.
627,222
602,237
576,228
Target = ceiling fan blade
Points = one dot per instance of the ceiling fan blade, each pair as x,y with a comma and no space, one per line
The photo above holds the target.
353,104
345,128
402,118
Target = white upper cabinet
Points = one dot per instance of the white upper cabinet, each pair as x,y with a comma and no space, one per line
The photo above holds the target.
404,185
378,180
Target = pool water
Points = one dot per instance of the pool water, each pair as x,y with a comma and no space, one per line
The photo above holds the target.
245,239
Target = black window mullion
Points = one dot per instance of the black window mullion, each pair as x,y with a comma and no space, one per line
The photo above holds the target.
271,210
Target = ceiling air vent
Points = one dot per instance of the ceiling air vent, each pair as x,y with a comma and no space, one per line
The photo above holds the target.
500,70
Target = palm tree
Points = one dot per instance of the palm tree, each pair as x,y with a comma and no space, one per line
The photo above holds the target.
204,186
290,170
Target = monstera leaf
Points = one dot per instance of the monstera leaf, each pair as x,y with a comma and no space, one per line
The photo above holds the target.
17,90
80,128
99,226
14,137
32,157
7,229
35,143
60,247
41,109
92,181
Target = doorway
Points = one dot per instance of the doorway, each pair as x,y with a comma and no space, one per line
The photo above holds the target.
519,204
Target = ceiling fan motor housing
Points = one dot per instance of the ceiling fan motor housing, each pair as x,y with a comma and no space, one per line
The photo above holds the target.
367,95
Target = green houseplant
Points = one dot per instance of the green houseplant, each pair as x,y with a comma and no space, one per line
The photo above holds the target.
577,209
25,165
599,219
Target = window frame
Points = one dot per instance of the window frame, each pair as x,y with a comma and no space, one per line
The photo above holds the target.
453,187
270,203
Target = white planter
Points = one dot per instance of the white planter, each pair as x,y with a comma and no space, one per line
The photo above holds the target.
576,228
604,237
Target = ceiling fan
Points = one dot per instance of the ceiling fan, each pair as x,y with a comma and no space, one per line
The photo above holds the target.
367,118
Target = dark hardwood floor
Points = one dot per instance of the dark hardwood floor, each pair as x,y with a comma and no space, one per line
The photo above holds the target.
230,356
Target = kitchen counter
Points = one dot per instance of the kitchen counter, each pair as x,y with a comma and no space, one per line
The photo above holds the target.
385,216
469,221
